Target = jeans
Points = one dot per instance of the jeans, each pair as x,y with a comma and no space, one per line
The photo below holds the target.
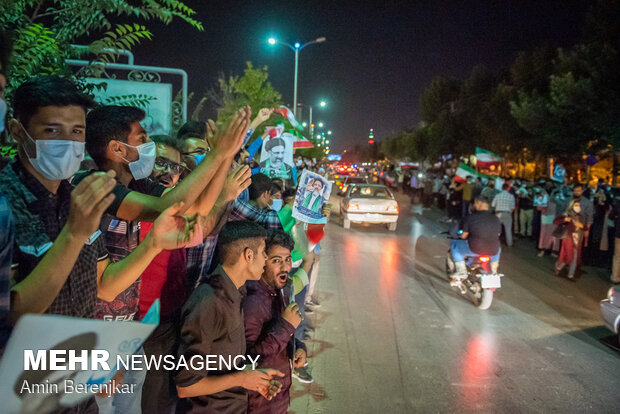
125,403
460,250
506,218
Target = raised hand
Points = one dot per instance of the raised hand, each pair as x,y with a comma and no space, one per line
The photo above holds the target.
237,180
173,231
262,116
89,200
211,129
229,142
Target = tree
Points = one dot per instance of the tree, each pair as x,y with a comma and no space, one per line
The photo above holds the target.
252,88
42,32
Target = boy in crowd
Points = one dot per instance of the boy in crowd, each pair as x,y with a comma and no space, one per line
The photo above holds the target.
257,209
213,324
270,322
61,264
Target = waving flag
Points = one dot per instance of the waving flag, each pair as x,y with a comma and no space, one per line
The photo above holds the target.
301,142
288,114
463,171
485,159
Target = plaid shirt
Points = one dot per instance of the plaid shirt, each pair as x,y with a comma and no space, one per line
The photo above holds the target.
504,202
7,235
244,210
199,260
77,296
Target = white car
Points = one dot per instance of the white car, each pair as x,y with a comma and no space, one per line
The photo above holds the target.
610,308
369,203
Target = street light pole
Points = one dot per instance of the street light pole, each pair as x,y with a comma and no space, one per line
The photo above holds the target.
295,87
296,48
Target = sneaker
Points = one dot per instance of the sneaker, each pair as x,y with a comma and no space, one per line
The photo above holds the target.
541,253
302,375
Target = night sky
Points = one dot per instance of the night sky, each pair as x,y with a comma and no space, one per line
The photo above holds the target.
377,59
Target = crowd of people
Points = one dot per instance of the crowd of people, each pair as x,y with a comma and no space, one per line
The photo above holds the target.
570,221
180,219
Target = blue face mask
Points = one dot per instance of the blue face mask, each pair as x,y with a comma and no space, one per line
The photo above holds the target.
2,113
276,204
199,157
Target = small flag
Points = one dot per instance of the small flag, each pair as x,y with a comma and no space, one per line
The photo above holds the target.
463,171
274,131
485,159
288,114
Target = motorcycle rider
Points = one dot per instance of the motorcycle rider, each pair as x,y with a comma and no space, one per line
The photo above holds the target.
479,237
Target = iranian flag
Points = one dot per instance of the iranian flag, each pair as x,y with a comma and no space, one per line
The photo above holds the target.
301,142
463,171
485,159
288,114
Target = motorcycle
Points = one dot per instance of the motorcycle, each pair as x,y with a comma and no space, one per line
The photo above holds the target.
480,282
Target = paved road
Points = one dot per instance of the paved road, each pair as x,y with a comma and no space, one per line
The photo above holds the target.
393,337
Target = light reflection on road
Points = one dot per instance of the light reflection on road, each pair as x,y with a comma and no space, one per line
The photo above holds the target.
477,369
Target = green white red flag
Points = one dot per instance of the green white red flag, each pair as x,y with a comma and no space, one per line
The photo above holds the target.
288,114
485,159
463,171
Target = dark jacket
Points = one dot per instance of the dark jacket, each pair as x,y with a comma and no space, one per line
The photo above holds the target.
267,334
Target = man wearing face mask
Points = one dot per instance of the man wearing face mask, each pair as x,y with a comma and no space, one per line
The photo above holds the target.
116,140
60,261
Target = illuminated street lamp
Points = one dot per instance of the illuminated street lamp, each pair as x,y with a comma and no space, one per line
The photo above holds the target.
304,124
297,47
323,103
329,132
320,125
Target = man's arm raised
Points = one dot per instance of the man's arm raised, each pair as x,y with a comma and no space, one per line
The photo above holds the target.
137,206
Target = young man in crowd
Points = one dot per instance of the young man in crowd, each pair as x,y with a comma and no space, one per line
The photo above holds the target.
467,189
504,205
257,209
270,322
167,278
195,139
213,324
116,140
60,261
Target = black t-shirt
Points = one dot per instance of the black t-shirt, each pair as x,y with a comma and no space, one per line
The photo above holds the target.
484,229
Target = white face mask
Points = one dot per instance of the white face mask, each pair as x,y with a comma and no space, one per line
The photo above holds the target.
57,159
143,166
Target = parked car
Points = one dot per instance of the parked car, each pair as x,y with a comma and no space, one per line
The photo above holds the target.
610,308
369,203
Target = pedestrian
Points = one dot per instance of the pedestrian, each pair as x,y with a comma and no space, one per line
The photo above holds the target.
257,209
573,226
467,193
526,211
546,242
504,205
615,270
270,323
213,324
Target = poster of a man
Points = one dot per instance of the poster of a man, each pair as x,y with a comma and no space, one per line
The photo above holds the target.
313,192
277,157
314,195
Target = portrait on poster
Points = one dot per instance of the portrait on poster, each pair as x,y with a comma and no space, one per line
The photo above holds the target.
276,159
313,192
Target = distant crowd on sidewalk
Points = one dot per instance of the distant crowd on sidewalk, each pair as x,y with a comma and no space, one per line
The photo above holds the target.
573,222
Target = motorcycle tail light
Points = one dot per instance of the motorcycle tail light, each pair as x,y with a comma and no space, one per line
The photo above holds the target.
485,259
